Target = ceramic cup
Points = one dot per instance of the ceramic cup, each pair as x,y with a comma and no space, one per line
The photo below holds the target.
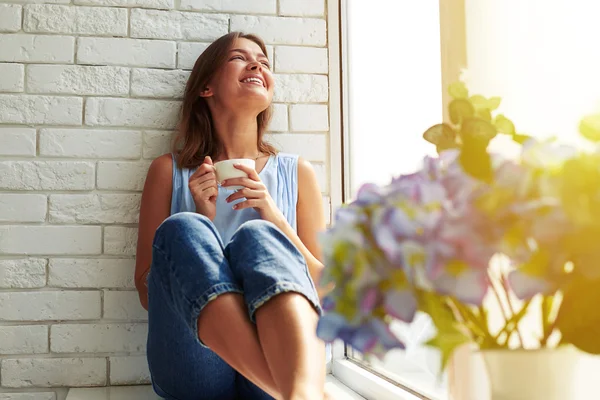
226,170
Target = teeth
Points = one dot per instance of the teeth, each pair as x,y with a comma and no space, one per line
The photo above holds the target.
248,80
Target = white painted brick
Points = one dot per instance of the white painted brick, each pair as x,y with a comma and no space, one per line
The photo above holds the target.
282,30
30,240
22,207
50,110
28,396
29,339
17,142
78,79
234,6
132,370
49,18
161,114
113,175
154,24
120,241
91,273
12,77
128,52
39,1
297,59
94,208
98,338
322,176
189,53
37,48
43,306
53,372
304,8
309,117
312,147
22,273
165,4
123,305
46,175
10,17
158,83
157,143
279,121
90,143
299,88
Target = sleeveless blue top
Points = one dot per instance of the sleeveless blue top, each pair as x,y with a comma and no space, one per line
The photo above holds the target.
280,176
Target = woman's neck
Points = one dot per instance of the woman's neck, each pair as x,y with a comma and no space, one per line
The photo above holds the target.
238,135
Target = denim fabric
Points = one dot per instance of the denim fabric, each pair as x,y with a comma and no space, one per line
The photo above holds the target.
190,267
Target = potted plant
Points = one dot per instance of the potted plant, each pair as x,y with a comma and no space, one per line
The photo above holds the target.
428,242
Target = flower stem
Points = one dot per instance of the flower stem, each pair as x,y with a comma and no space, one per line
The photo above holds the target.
510,306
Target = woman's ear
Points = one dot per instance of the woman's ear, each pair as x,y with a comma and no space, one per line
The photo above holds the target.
206,92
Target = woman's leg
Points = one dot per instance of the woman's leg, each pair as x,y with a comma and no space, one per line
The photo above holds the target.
281,295
192,289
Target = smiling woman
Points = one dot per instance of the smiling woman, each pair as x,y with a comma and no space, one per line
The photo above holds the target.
230,290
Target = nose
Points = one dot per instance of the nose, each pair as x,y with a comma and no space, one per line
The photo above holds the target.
254,66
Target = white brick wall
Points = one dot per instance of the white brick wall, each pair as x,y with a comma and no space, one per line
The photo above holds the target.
90,92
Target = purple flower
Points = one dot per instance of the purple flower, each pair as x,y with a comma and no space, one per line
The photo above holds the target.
371,336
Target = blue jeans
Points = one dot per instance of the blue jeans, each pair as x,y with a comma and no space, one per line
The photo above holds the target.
191,267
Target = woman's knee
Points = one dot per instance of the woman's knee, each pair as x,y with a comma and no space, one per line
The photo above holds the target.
257,228
183,222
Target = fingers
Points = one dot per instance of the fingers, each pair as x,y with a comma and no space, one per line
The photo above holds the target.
252,174
206,167
246,193
253,203
247,182
207,185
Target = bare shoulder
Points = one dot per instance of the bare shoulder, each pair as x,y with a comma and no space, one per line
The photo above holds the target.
161,169
308,185
306,172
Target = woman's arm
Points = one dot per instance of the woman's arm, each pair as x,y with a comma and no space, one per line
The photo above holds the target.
154,209
310,220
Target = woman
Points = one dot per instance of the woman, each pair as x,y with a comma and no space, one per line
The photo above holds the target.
230,289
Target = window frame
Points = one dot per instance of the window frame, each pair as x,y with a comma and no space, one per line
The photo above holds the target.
362,380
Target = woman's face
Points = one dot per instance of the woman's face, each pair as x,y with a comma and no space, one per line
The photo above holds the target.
245,80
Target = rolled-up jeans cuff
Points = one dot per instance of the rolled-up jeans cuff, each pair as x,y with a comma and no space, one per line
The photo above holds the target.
279,288
203,300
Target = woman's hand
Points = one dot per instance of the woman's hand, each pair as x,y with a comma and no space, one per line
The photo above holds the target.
256,194
204,189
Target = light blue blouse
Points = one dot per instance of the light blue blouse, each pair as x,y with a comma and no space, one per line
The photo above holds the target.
280,176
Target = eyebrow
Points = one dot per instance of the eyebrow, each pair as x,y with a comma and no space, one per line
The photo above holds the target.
261,54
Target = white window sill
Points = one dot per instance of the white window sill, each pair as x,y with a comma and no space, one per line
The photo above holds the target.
367,384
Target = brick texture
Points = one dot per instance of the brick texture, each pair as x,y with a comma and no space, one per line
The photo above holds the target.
90,94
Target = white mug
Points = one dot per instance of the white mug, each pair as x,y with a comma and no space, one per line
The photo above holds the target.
226,170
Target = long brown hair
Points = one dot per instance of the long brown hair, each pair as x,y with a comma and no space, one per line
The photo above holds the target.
196,136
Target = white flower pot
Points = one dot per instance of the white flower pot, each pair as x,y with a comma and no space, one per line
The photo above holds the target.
547,374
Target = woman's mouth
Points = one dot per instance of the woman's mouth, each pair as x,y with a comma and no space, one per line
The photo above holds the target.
253,81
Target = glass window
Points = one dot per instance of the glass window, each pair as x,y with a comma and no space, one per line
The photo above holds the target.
393,94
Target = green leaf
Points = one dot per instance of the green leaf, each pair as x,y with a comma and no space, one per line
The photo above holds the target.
589,127
477,130
494,102
449,335
460,109
504,125
442,135
476,162
579,315
458,90
484,113
520,138
478,101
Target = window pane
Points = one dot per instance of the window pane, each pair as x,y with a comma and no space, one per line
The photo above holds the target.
394,85
394,95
